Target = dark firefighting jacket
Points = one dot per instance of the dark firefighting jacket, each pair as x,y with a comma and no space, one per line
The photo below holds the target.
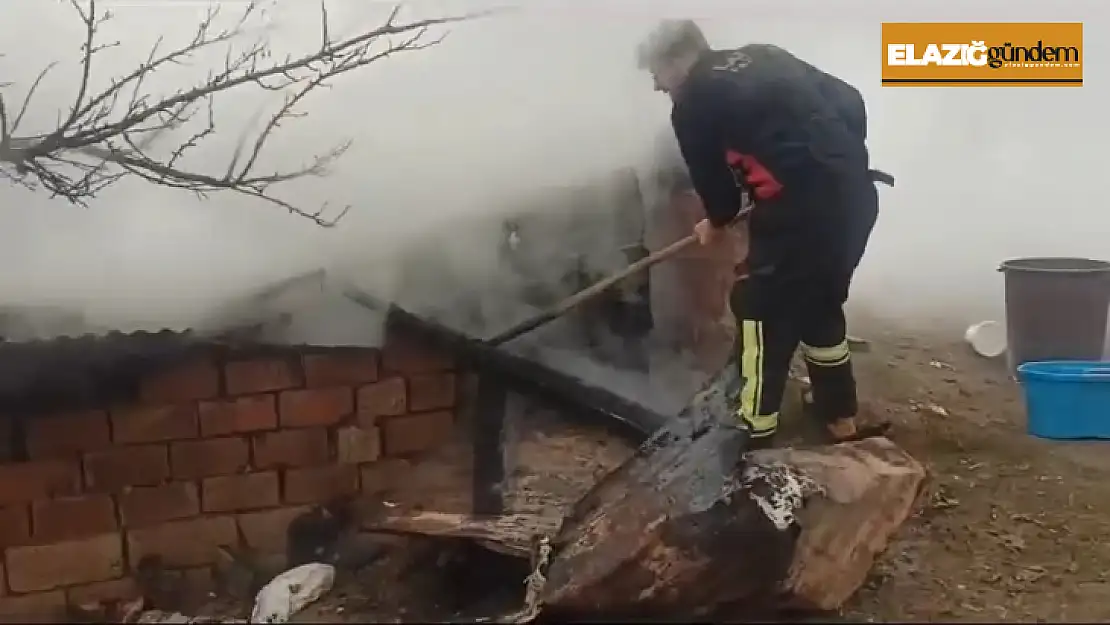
758,119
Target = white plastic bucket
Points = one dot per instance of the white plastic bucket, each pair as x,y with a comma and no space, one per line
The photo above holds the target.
987,338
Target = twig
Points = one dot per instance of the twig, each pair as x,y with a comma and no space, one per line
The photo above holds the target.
4,136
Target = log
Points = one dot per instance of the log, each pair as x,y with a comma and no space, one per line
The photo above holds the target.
692,526
792,529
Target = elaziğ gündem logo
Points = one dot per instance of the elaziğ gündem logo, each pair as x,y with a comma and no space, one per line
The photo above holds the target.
995,54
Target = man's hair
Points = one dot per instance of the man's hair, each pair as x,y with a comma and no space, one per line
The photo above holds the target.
670,40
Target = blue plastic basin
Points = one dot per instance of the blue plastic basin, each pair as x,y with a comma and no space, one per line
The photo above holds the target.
1067,399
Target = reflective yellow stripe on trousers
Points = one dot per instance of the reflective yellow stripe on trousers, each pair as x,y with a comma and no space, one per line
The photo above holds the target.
827,356
751,370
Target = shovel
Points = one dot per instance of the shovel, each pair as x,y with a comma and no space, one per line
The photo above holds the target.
590,292
605,284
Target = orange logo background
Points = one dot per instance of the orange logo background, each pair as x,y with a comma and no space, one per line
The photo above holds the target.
999,54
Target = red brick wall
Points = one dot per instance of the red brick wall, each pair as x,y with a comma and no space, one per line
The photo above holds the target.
222,450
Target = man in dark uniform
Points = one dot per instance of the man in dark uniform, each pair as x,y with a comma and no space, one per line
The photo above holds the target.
759,120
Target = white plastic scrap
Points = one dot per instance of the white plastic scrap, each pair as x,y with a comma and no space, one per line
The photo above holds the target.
937,410
291,592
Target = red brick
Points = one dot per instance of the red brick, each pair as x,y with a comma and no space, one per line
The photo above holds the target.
153,424
265,530
39,479
434,391
122,589
15,527
320,484
67,434
355,444
191,542
382,399
45,567
260,376
405,356
343,368
199,379
250,413
112,469
148,505
233,493
416,432
69,518
39,607
208,457
290,448
323,406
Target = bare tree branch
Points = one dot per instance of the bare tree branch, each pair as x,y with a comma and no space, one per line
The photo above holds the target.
5,137
108,135
30,94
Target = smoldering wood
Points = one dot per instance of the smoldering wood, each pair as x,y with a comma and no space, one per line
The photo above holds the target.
693,527
650,536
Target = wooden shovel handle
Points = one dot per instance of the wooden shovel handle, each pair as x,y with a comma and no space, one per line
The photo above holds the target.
592,291
603,285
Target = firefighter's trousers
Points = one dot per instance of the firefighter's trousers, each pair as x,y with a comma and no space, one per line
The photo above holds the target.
774,316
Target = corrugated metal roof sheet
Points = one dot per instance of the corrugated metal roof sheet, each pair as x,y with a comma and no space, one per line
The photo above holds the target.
47,324
88,367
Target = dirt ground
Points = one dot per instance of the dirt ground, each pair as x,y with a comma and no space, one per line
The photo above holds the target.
1010,528
1013,527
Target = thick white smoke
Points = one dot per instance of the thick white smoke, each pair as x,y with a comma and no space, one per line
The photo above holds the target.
449,140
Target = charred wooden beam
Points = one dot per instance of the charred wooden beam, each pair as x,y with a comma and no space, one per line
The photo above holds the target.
510,534
532,377
579,398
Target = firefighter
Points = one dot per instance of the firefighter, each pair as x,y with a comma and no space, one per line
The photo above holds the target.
760,121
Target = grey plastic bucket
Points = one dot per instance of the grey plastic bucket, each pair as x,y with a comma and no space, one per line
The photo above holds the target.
1056,308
